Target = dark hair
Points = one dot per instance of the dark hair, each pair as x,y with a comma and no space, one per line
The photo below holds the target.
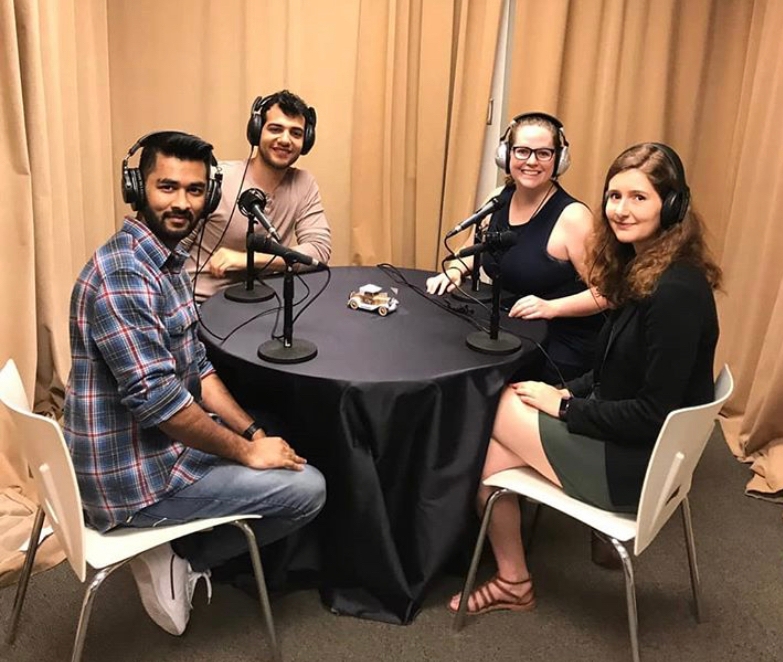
291,104
616,271
183,146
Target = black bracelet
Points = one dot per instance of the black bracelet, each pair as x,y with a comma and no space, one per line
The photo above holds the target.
251,430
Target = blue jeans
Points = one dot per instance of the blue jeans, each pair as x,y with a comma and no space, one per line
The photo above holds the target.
286,500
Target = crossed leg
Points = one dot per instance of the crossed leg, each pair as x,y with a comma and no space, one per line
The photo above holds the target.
516,442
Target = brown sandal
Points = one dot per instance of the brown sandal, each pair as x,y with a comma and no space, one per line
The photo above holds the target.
492,596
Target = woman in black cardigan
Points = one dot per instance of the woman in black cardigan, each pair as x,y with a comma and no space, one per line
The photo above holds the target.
655,354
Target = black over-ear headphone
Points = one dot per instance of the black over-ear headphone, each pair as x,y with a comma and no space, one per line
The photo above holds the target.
562,155
258,117
676,202
133,181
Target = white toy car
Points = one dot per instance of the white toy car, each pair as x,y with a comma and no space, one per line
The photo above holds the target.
373,298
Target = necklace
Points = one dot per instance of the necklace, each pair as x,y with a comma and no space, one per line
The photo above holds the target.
538,208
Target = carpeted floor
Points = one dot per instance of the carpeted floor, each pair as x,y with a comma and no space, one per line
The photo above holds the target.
580,614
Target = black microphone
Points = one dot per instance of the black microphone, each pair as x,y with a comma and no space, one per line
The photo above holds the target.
264,244
489,207
493,241
252,203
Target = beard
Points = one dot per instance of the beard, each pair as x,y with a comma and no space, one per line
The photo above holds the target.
157,224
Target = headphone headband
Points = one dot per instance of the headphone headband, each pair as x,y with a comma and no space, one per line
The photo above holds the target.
132,182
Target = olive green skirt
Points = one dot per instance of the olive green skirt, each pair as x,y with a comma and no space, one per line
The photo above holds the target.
579,462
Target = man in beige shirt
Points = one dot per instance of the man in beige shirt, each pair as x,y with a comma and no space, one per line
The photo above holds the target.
282,127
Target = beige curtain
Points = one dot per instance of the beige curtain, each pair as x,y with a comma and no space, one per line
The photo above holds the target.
703,76
57,207
752,316
401,91
400,87
57,203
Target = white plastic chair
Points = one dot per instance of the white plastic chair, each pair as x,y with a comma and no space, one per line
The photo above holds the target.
50,462
666,485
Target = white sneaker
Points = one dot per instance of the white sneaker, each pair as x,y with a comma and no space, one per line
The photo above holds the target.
166,583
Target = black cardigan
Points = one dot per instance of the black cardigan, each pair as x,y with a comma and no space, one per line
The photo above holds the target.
653,356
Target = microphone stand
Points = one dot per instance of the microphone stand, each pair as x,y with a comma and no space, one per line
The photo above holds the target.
498,342
289,349
478,291
250,291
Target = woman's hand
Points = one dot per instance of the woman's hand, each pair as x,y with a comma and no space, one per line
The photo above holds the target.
225,259
444,282
543,397
533,308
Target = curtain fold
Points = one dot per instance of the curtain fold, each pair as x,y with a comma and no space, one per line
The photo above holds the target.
752,315
57,202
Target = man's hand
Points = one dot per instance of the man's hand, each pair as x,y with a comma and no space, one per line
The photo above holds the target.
533,308
542,396
272,453
225,259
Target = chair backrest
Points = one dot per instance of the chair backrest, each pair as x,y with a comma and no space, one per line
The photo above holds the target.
49,460
680,444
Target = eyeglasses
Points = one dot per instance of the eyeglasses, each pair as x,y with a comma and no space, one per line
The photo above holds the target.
543,154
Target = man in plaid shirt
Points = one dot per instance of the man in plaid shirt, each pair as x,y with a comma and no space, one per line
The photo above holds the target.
137,412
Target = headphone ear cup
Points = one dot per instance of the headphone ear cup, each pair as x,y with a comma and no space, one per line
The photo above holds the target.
132,187
256,122
563,160
309,133
672,210
501,156
214,194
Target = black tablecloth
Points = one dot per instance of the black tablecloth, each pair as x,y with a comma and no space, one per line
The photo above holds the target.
396,412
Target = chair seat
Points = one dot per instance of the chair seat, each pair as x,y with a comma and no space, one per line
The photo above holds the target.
529,483
105,549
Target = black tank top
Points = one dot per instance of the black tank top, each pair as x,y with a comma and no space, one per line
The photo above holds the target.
528,268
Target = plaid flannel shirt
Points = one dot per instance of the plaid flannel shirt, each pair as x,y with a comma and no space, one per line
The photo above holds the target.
136,361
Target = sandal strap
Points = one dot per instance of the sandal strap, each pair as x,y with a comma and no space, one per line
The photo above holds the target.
483,596
506,581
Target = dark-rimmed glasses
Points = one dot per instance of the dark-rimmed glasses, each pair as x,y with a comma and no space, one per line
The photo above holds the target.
543,154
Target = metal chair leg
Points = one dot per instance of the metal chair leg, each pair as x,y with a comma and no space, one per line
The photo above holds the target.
86,612
685,509
24,578
263,596
630,597
528,540
459,619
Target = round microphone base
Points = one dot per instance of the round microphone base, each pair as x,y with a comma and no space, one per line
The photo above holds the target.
506,343
275,351
467,293
240,293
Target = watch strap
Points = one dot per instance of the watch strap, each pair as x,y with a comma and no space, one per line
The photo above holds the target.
251,430
562,412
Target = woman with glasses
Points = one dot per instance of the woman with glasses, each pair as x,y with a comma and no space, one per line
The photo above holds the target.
545,268
655,354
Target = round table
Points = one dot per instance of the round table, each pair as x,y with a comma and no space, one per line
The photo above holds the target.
396,411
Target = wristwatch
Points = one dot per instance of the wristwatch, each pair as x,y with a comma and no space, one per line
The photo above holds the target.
562,412
251,430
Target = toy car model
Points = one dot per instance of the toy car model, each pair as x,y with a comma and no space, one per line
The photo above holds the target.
371,297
